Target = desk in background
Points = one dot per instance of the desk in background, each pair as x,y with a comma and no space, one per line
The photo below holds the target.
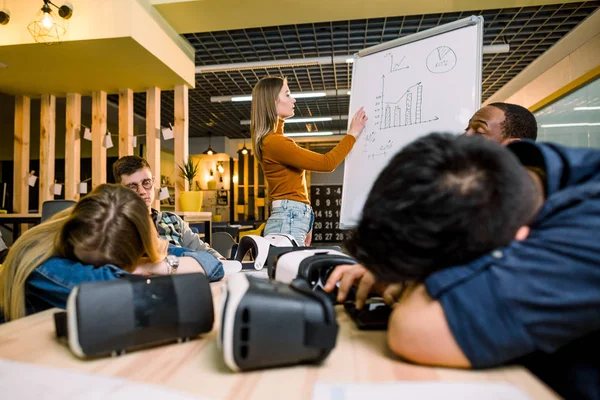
197,366
17,219
233,229
195,217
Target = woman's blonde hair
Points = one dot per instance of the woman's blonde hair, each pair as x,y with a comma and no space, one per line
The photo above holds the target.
112,221
263,111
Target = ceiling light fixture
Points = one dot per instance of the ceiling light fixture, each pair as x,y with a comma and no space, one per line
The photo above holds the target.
46,27
4,17
309,61
244,150
305,119
308,95
297,95
570,125
209,151
586,108
308,134
241,98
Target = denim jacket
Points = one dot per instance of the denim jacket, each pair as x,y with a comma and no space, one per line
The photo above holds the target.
50,284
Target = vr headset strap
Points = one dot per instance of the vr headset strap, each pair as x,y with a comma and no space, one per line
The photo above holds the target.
320,336
60,323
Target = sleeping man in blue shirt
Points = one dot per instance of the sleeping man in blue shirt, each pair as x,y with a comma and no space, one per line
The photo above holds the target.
491,255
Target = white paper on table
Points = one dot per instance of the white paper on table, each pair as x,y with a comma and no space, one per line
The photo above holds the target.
28,381
164,193
83,188
32,180
57,189
108,143
167,133
417,390
87,134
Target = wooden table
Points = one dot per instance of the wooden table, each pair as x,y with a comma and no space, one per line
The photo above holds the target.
194,217
17,219
197,366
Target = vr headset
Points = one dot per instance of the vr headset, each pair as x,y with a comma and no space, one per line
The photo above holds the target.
253,251
312,266
267,324
110,317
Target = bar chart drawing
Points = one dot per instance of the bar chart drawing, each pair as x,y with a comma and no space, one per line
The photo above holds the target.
406,111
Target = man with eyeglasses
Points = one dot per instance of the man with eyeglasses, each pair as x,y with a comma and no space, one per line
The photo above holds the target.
134,172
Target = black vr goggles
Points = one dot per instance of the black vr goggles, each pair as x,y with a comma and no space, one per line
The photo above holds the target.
109,317
311,265
267,324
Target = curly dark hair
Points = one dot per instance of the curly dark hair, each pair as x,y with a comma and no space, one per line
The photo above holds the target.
519,122
442,201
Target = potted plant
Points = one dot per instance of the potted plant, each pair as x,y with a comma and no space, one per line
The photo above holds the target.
190,200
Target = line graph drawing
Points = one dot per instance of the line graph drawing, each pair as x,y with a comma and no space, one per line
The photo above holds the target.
404,111
442,59
394,67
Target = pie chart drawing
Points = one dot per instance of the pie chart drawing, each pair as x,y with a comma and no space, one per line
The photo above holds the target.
442,59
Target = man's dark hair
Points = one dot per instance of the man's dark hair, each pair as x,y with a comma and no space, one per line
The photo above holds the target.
519,122
442,201
128,165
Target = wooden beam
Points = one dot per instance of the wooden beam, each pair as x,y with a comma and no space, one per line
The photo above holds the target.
181,134
21,156
73,147
235,198
47,147
125,122
153,136
255,172
98,137
246,186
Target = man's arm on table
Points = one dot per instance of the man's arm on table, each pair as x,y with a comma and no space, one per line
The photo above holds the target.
417,329
418,332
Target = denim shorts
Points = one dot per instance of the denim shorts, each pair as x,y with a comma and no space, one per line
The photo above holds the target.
291,217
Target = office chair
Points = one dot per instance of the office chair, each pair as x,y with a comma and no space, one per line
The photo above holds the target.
51,207
223,243
258,231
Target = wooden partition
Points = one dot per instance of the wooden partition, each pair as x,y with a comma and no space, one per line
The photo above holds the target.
73,146
47,147
181,138
153,135
125,122
98,137
21,156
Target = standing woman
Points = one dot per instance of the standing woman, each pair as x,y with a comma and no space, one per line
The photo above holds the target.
285,163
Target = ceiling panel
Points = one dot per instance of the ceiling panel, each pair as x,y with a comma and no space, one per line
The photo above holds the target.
529,30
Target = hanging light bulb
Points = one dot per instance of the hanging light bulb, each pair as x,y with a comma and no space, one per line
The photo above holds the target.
209,151
47,27
244,149
47,21
220,167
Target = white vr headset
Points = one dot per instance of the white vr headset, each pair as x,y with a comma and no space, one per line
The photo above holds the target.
267,324
253,250
109,317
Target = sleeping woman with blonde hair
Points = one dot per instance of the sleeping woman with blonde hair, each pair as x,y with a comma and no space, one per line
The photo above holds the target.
106,235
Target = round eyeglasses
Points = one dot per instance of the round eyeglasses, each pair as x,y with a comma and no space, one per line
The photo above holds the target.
146,184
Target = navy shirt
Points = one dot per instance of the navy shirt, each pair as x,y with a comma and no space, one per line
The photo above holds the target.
537,301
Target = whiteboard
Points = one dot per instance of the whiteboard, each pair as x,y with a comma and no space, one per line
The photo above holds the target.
422,83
